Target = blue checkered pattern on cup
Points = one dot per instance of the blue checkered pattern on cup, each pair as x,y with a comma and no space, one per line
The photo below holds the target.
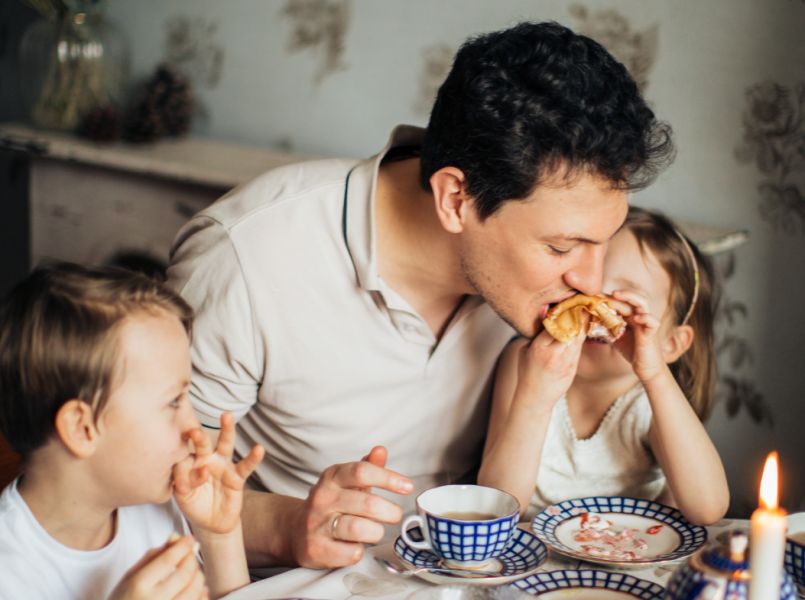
470,540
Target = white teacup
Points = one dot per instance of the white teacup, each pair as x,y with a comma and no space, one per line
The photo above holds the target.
466,525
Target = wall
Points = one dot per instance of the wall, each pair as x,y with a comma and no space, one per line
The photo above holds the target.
333,76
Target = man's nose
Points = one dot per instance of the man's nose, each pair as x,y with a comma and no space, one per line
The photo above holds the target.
587,275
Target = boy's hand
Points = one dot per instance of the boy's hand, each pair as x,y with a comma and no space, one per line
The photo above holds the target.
207,486
642,347
170,572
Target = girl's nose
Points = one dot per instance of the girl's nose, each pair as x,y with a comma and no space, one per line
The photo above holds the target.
588,274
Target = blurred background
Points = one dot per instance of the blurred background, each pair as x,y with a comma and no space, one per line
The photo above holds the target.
156,107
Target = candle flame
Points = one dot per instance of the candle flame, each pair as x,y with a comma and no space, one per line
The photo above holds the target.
768,482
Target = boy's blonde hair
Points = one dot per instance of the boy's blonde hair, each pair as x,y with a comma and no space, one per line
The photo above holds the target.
59,340
694,295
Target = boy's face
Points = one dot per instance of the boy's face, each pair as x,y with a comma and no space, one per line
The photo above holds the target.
141,427
536,252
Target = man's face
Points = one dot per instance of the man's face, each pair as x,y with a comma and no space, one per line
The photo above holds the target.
536,252
142,425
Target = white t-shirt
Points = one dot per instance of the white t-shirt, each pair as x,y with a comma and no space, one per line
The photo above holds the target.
615,461
33,565
317,358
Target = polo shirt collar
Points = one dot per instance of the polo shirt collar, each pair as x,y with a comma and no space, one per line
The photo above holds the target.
359,208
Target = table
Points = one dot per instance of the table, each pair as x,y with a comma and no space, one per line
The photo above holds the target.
367,579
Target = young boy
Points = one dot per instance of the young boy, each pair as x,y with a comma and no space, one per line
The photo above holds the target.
94,376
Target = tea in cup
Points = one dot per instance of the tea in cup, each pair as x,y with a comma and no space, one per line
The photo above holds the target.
465,525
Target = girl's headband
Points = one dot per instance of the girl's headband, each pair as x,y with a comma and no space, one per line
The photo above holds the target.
695,265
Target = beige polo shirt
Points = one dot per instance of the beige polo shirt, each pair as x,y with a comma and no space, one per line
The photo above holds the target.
316,357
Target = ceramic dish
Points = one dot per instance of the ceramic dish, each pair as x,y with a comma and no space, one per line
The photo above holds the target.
590,585
524,554
618,531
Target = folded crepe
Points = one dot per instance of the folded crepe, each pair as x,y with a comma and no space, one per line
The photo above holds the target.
570,317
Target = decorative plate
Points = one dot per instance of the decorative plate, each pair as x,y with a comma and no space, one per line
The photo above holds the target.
524,555
602,585
618,531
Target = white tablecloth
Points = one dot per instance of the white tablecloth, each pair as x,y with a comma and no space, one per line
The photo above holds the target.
368,579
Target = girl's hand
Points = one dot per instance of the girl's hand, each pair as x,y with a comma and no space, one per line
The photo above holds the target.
642,347
546,367
208,486
165,573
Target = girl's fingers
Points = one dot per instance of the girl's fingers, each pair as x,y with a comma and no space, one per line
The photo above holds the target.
226,438
636,299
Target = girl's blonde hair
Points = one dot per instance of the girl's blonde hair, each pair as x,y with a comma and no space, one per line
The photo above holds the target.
694,294
59,340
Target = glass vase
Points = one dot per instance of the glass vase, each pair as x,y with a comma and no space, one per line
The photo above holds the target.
71,66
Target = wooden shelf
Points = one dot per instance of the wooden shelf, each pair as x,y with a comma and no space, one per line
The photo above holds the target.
194,160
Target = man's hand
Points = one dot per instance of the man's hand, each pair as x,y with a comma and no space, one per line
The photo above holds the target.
341,513
170,572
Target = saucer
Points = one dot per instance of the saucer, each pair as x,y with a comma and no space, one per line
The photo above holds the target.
601,585
524,554
647,533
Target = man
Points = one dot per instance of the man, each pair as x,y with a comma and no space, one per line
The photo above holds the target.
344,304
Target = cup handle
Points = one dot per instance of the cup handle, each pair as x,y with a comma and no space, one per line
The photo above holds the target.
406,525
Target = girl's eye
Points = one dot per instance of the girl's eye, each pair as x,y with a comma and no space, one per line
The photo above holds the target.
559,251
176,402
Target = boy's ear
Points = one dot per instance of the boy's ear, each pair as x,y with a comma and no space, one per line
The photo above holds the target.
75,426
677,343
450,198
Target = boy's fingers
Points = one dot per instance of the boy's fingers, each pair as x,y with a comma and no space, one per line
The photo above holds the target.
248,464
181,476
181,578
201,442
166,561
226,438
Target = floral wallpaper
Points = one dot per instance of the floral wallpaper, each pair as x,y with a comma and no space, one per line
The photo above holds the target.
637,50
774,140
320,26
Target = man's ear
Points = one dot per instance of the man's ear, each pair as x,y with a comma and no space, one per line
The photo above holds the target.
677,343
450,198
75,426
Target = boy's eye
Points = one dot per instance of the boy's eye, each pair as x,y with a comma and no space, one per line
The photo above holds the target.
559,251
176,402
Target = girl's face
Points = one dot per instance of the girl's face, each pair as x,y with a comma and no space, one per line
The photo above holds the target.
141,428
628,267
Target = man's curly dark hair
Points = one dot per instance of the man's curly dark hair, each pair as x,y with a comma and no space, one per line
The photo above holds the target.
520,103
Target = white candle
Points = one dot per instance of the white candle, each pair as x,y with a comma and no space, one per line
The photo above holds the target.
767,538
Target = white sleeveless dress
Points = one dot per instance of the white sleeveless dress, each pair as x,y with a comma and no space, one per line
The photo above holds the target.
615,461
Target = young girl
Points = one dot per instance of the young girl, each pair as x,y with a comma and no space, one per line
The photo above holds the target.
587,418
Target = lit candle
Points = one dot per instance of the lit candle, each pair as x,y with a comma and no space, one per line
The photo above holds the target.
767,538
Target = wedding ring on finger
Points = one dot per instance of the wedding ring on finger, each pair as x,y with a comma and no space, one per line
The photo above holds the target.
334,525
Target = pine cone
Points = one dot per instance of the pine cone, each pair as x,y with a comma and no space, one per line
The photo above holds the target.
102,124
166,107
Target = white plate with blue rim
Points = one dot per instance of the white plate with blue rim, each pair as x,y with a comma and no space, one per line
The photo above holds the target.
524,555
588,584
618,531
